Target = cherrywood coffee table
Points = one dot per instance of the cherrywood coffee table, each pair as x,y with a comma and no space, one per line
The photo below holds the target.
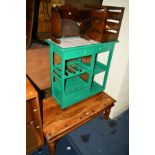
58,122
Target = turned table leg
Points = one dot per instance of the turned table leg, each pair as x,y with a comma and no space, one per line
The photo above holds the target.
52,147
107,112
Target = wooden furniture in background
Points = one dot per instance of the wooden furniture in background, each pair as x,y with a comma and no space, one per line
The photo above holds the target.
67,21
101,24
34,134
97,25
38,65
44,18
106,23
30,8
114,16
58,122
44,15
80,4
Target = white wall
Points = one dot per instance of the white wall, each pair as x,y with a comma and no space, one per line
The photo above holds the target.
117,83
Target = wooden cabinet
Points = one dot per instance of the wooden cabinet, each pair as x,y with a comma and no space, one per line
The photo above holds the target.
44,28
80,4
68,21
106,24
30,5
34,134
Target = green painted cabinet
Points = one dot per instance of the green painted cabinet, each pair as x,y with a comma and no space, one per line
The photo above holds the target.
72,78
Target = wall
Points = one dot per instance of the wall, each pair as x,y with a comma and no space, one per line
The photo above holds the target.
117,83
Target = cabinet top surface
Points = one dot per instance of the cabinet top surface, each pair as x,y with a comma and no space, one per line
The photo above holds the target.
73,42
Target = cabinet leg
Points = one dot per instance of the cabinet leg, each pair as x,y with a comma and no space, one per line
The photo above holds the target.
107,112
52,147
47,92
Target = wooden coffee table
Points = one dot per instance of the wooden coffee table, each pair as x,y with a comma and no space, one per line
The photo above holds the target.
58,122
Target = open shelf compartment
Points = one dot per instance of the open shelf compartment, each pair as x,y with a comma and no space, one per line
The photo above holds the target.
57,71
99,67
74,84
71,85
96,87
75,68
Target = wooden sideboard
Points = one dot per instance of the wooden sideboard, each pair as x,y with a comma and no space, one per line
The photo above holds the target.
34,134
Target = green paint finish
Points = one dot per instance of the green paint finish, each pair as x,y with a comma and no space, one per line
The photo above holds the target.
68,87
99,67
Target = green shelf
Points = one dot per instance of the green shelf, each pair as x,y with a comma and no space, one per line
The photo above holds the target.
71,85
75,68
96,87
99,67
74,84
67,85
57,71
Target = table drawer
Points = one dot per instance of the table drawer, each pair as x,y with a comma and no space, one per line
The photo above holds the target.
103,48
33,136
32,111
34,133
78,53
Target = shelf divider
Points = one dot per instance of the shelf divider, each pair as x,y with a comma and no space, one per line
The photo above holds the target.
99,67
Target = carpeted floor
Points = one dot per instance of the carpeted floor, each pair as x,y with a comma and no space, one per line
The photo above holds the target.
97,137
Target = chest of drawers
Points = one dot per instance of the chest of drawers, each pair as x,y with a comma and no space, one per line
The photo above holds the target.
34,134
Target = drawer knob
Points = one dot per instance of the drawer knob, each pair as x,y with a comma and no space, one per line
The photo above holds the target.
38,126
35,110
69,13
107,27
31,122
78,23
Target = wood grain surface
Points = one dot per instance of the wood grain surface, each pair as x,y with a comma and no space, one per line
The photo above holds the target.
38,65
57,122
34,132
30,91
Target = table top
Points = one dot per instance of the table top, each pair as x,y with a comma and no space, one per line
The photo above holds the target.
38,65
77,42
73,42
58,122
